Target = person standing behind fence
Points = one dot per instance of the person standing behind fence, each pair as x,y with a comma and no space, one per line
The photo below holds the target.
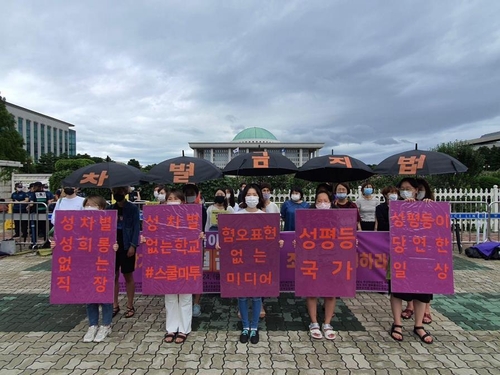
367,204
20,225
267,193
127,236
95,332
288,208
38,207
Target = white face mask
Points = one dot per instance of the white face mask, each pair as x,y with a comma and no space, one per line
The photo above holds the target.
190,198
155,194
406,194
132,189
90,208
173,202
251,201
161,197
421,195
393,197
228,196
295,197
267,196
323,206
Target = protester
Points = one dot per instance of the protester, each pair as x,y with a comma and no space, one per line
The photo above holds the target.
71,201
267,193
240,191
21,225
161,196
323,201
220,206
288,208
231,201
366,205
342,200
128,226
134,194
192,196
408,188
390,193
95,332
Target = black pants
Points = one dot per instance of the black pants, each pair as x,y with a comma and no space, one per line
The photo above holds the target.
368,226
21,227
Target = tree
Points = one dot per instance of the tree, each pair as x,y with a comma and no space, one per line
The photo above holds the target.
47,163
11,142
134,163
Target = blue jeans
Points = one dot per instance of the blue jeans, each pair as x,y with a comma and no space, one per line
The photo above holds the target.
93,313
256,306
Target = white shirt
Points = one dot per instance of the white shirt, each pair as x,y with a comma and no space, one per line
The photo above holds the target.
67,204
367,207
272,208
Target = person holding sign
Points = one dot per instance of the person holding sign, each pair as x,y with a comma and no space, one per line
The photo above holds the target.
128,227
95,332
323,201
220,206
408,188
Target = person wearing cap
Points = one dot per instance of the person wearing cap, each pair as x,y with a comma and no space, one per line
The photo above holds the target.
21,225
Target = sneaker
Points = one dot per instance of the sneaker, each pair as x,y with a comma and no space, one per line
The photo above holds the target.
102,333
244,336
89,336
254,336
196,310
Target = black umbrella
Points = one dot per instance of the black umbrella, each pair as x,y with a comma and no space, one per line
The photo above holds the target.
105,175
418,162
184,170
334,168
259,163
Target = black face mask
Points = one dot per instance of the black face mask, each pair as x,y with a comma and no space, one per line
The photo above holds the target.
219,199
69,191
119,197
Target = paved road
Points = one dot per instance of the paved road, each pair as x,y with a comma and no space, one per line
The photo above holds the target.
37,338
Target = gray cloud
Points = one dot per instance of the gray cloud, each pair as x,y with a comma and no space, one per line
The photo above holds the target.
143,79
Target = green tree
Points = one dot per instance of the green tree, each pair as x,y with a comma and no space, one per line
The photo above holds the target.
134,163
47,163
72,164
11,142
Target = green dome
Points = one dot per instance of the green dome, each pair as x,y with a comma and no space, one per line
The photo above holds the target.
254,135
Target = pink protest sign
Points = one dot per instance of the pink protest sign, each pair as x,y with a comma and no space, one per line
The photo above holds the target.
373,255
172,254
249,255
325,255
83,261
421,247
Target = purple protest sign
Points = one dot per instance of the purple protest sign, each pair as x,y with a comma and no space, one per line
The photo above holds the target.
373,255
421,247
287,262
325,255
172,254
249,255
83,261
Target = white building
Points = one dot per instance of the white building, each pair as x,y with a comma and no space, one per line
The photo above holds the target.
488,140
42,133
250,140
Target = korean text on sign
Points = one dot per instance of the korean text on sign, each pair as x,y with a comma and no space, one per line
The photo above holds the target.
421,247
325,255
249,255
172,254
83,261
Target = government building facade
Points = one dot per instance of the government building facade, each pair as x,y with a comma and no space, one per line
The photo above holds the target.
250,140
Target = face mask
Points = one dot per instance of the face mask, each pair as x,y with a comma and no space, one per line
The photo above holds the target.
252,202
69,191
421,195
161,197
132,189
173,202
323,206
405,194
368,191
155,194
267,196
341,196
90,208
19,188
393,197
219,199
45,189
228,196
119,197
295,197
190,198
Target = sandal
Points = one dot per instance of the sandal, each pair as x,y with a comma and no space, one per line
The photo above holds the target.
427,318
393,331
116,310
407,314
181,337
423,337
315,331
329,332
169,337
130,312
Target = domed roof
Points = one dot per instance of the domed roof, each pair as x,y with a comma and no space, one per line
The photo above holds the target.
255,135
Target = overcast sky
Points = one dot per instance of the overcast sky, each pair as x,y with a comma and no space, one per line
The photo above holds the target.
141,79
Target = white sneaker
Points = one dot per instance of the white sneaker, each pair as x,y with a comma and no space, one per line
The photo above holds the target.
89,336
103,332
